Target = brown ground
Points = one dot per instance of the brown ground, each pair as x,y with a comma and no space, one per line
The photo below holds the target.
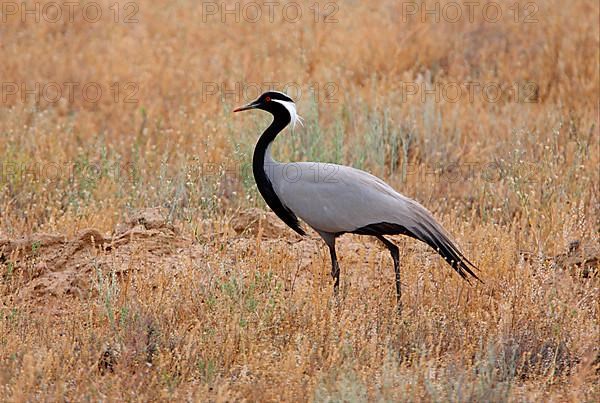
56,271
148,258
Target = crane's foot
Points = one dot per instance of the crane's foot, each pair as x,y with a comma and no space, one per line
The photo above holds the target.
399,308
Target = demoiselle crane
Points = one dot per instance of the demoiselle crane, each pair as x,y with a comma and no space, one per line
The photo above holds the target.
336,199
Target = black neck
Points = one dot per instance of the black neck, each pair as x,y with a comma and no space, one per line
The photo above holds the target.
265,187
260,151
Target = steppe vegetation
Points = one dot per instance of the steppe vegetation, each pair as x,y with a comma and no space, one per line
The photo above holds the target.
138,261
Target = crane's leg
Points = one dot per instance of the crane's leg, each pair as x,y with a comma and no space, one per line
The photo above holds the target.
335,267
396,257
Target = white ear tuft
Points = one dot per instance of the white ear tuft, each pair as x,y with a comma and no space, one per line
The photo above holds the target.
291,108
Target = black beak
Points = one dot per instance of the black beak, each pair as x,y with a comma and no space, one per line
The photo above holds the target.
251,105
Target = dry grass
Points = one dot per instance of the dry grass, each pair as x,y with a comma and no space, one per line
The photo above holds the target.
207,312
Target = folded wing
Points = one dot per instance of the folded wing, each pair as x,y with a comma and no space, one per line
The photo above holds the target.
339,199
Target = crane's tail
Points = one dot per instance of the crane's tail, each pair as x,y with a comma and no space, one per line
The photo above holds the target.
422,226
438,239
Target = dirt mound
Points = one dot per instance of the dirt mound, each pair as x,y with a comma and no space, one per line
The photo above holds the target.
145,219
581,259
44,268
46,271
259,222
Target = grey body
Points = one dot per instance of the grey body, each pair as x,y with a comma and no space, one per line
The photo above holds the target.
335,199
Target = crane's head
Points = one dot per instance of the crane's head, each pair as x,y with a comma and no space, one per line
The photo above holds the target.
276,103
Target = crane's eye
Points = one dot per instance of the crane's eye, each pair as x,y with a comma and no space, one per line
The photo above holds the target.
268,99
